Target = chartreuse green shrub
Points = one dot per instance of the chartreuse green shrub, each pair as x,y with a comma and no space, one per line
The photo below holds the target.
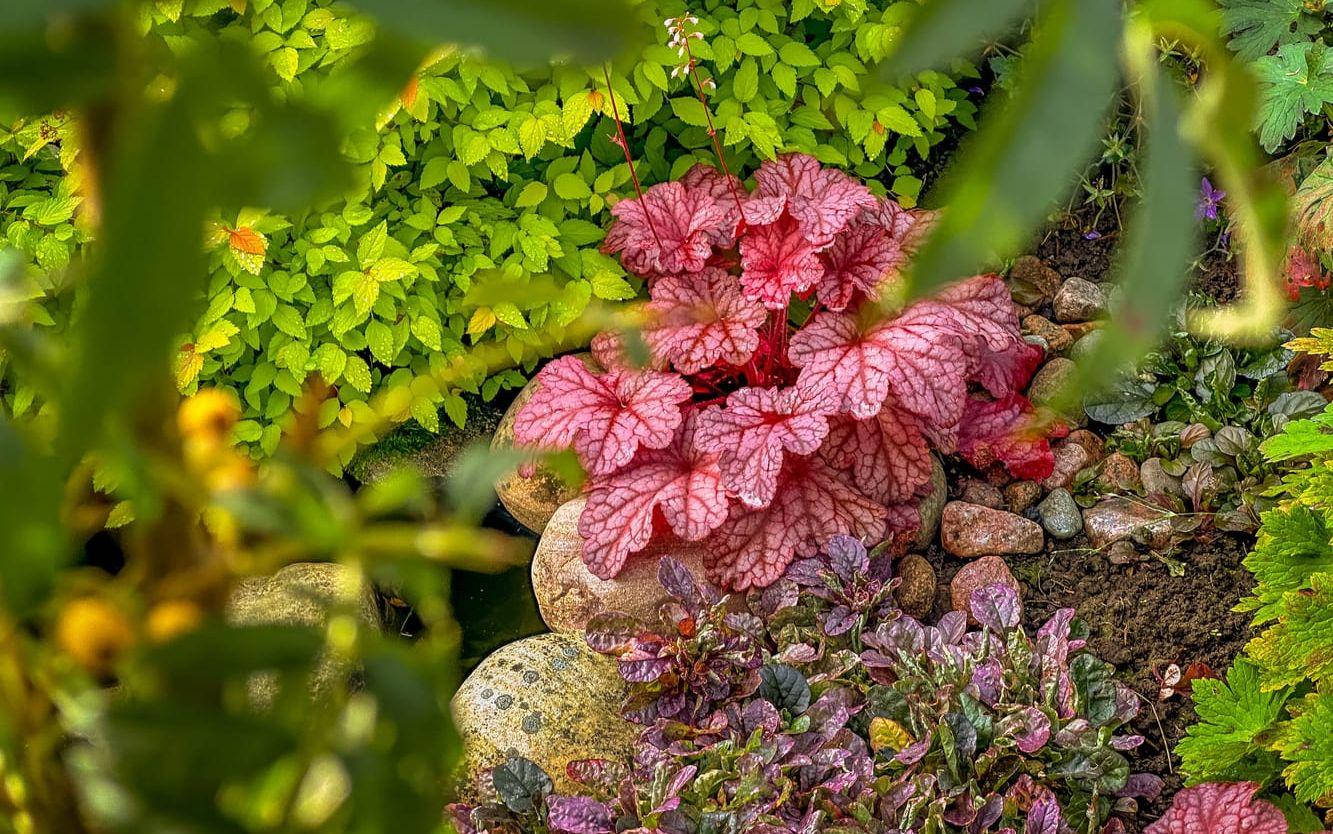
1271,720
481,194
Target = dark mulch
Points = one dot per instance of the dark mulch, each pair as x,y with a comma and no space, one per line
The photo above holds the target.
1066,249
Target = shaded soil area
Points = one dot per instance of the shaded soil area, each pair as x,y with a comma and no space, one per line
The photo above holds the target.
1067,249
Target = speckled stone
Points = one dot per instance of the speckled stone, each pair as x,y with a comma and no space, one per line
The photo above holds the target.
916,593
1115,519
1022,494
533,499
931,508
970,530
1055,336
302,594
1060,515
568,594
1079,301
548,698
988,570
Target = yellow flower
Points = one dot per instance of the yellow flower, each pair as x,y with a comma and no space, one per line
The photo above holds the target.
172,618
93,633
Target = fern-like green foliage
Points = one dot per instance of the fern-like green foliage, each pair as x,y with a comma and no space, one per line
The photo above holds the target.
1285,42
481,195
1272,720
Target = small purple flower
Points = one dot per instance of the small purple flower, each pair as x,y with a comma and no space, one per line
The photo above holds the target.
1092,235
1209,200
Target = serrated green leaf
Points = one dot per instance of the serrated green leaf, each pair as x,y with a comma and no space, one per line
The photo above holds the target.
532,194
379,338
690,111
571,186
1295,82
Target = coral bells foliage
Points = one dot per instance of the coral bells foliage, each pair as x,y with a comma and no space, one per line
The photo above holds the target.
780,406
1220,808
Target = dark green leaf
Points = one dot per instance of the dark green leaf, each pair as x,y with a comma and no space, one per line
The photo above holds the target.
1095,687
785,688
521,784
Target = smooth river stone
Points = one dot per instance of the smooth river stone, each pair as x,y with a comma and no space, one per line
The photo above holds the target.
547,698
568,594
532,500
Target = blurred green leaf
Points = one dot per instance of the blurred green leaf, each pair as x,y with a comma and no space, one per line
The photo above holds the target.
1026,155
1161,241
234,650
945,30
522,30
31,540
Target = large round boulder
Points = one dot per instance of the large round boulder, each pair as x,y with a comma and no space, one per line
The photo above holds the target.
547,698
568,594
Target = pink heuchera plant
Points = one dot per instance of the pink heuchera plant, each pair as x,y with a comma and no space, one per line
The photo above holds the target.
1220,808
762,427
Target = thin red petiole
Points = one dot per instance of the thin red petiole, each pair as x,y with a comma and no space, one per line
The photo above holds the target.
712,131
624,146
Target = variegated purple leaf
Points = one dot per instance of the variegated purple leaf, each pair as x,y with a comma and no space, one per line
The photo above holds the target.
914,752
988,678
1142,786
639,666
996,607
578,815
1123,743
1034,730
602,775
677,580
1044,815
839,621
611,632
848,558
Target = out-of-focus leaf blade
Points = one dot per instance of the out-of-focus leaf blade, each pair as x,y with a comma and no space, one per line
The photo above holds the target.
947,29
1027,154
31,540
1218,122
1161,240
519,30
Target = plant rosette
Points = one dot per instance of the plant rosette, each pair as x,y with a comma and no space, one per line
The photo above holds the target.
785,397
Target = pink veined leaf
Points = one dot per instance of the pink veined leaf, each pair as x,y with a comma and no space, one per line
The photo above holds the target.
1220,808
755,431
670,229
1003,430
813,504
776,261
700,318
1005,372
681,482
726,191
869,253
886,455
610,351
979,308
923,366
821,200
923,356
605,417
